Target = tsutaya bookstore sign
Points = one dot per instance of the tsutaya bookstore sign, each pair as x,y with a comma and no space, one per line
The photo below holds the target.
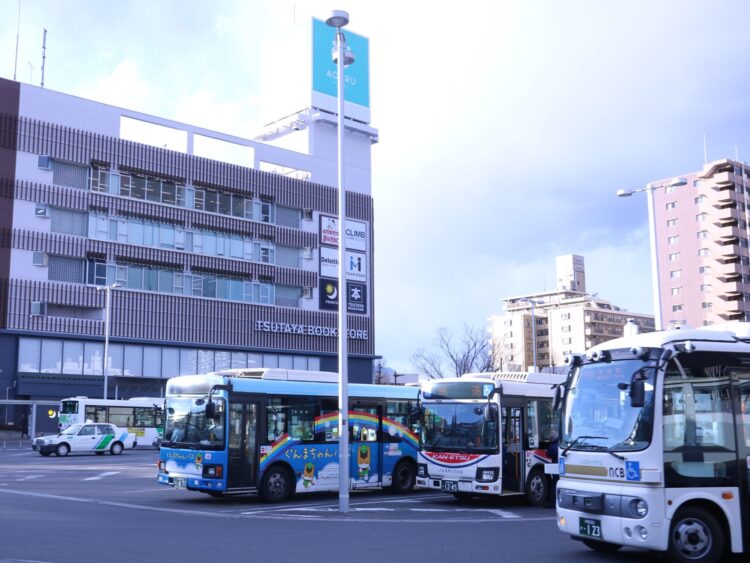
309,330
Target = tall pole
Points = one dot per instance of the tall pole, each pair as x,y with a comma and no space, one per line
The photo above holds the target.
107,303
654,258
338,20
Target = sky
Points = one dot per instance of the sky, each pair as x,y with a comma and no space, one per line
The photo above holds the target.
505,127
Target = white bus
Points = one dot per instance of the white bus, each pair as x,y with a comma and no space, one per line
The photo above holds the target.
142,416
488,434
655,444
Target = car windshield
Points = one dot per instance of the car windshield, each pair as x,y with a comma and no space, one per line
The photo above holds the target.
72,429
598,414
186,424
459,427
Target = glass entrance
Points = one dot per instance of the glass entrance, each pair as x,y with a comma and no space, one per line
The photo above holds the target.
512,449
242,463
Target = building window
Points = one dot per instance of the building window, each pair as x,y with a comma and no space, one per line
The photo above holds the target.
704,270
703,252
696,183
701,216
707,305
674,256
702,234
700,199
674,239
671,222
671,205
705,288
676,290
676,308
674,274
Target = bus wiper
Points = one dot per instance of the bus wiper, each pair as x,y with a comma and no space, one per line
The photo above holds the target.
576,441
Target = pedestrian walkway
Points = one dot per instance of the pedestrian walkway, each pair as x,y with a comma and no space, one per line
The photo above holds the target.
12,440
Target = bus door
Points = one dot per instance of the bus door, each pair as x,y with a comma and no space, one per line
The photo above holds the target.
512,446
366,453
242,462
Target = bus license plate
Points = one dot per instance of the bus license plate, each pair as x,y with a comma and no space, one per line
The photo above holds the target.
180,483
450,486
590,527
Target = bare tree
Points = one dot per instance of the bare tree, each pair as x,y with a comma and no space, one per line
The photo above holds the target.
380,372
470,352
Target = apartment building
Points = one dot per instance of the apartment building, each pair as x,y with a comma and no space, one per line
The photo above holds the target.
221,251
542,328
701,231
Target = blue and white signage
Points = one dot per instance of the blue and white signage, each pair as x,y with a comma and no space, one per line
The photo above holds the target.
356,76
633,470
355,264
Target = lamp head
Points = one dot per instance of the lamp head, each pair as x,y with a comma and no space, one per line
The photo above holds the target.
674,182
338,19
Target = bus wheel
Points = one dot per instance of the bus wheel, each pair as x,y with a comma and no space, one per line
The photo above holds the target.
695,536
116,448
276,485
62,450
602,546
404,477
537,488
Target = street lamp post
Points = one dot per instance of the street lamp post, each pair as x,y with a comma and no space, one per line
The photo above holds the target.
107,307
655,285
533,303
339,19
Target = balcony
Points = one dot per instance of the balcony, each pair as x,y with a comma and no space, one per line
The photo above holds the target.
723,179
726,216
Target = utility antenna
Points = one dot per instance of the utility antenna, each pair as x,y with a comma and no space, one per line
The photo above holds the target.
44,53
18,32
31,72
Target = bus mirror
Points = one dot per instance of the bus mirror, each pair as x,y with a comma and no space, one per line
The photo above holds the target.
490,413
637,392
210,410
557,399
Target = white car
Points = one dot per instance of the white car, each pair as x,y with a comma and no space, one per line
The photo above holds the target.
89,437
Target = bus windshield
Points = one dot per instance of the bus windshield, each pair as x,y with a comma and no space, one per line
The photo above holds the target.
186,424
598,414
458,427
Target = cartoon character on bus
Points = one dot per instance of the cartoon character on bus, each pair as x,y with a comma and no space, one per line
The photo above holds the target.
363,461
308,475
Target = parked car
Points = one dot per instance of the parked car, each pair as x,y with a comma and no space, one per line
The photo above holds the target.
89,437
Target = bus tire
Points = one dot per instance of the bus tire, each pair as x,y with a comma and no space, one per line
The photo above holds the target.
116,448
602,546
537,488
276,485
695,536
62,450
404,478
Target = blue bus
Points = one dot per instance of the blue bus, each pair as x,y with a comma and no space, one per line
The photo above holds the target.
274,432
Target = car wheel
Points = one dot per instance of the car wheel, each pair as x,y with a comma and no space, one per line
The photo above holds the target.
62,450
116,448
45,454
276,485
696,537
602,546
404,477
537,488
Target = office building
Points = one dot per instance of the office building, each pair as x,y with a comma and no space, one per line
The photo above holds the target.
223,250
563,321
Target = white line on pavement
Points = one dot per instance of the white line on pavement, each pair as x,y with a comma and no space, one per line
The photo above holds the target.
100,476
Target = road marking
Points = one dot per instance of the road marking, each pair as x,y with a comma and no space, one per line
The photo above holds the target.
100,476
30,477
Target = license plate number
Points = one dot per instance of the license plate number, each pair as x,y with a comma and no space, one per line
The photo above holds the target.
590,527
450,486
180,483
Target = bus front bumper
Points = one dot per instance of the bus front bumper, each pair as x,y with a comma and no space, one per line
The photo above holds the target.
191,483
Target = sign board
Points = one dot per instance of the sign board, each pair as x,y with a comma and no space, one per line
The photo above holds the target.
356,233
355,265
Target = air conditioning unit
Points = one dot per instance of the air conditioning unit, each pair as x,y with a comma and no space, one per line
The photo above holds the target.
38,308
40,259
42,210
44,162
307,292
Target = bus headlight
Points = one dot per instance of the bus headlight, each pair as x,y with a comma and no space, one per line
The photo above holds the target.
636,508
212,471
421,470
